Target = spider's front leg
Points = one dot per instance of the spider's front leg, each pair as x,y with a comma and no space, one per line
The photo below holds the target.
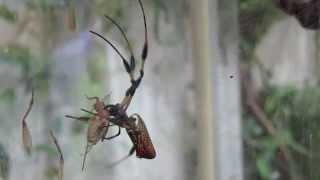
130,65
111,137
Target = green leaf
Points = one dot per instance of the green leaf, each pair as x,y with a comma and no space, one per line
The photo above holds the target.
7,14
264,168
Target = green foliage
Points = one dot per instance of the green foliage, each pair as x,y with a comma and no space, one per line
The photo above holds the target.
255,17
7,14
111,7
47,149
7,96
4,163
45,5
175,18
22,57
18,55
295,114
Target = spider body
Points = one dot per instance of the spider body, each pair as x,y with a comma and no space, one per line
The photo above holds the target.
116,114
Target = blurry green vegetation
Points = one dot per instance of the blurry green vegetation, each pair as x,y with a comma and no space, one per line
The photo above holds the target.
173,13
295,113
4,163
51,152
255,17
7,14
22,57
47,149
112,8
17,55
52,172
8,96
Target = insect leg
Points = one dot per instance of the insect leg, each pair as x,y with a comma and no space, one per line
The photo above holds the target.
92,98
87,111
82,118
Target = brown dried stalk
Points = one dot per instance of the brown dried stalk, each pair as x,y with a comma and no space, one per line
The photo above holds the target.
61,160
26,135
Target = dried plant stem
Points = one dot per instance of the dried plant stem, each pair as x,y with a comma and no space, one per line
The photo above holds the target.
26,135
61,160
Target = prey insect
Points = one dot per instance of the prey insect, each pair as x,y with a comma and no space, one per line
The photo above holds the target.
116,114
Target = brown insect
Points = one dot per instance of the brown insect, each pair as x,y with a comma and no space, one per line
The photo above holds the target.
98,125
116,114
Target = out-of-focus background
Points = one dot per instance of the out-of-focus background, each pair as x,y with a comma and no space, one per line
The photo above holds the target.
230,89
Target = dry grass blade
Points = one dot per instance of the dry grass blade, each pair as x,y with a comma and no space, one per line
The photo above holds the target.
26,135
61,161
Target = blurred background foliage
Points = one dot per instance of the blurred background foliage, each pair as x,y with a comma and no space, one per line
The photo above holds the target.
254,19
294,112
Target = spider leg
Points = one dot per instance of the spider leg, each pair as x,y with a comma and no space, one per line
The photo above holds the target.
132,151
135,83
124,158
82,118
124,60
111,137
130,67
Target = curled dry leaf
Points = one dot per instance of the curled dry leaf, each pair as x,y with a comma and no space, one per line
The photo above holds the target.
61,160
26,135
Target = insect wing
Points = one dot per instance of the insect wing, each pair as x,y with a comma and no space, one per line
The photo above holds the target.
144,146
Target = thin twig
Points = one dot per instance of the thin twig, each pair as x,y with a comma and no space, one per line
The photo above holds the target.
61,161
26,135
